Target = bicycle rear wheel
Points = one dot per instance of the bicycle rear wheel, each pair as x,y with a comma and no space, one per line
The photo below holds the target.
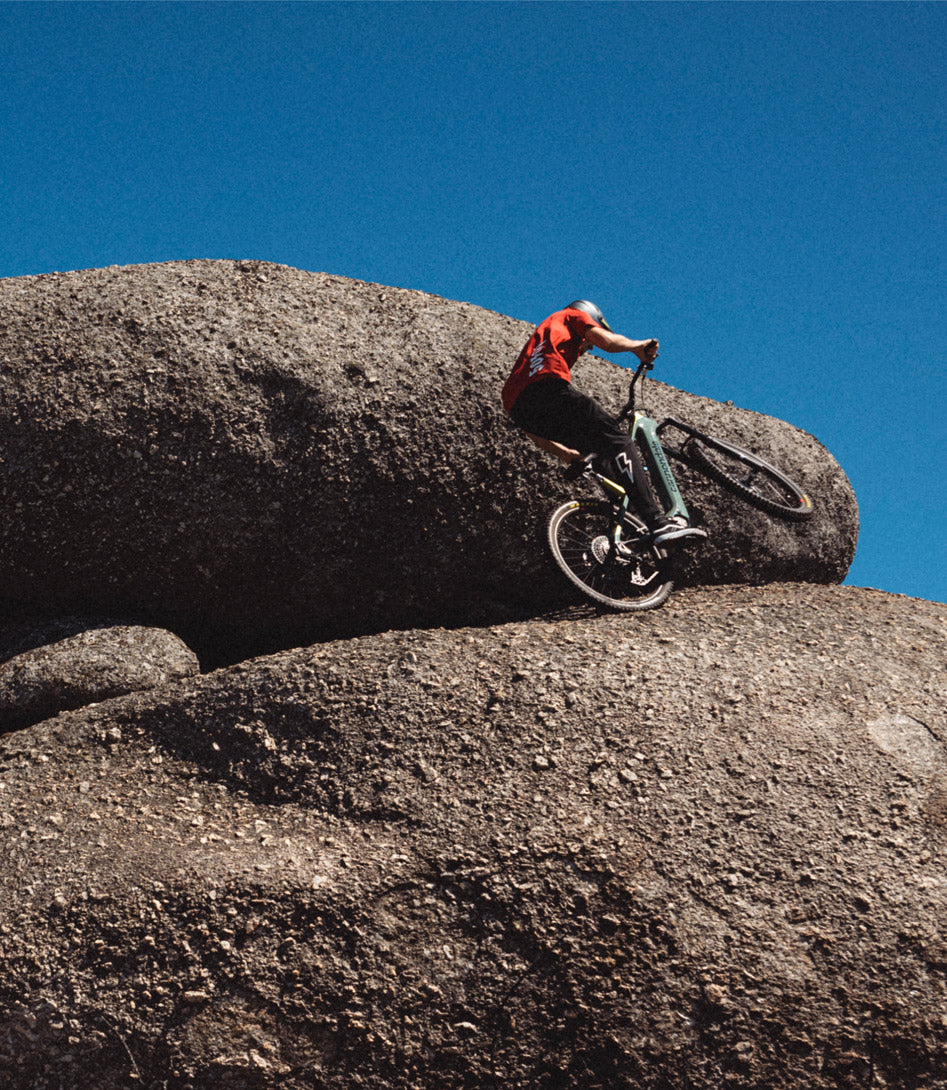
749,477
580,539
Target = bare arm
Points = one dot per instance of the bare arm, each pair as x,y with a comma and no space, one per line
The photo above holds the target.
563,453
646,351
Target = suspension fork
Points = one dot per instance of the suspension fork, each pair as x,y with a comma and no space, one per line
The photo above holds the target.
622,500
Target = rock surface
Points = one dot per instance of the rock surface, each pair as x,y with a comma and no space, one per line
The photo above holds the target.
88,664
698,848
253,456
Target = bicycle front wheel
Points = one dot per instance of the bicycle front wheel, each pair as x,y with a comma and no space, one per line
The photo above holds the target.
580,539
750,477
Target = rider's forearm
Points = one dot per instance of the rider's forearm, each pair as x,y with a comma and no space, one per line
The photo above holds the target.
615,342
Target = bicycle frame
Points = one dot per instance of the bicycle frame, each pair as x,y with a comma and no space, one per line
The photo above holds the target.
607,551
789,502
646,432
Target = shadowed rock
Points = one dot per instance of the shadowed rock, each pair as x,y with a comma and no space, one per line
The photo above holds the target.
251,456
702,849
87,665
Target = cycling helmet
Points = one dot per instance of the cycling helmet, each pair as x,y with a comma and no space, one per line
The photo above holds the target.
591,310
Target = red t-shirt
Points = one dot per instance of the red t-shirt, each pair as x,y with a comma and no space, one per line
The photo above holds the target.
552,350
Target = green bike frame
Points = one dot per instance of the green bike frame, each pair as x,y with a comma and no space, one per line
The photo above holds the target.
644,431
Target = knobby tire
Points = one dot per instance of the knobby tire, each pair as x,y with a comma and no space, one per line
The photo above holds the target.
749,477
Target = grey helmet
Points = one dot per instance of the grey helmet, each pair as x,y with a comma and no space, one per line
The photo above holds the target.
591,310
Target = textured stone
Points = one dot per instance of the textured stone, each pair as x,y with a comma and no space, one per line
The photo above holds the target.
87,665
253,456
698,848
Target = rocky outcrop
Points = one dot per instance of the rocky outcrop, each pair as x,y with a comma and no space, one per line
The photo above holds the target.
85,664
698,848
254,456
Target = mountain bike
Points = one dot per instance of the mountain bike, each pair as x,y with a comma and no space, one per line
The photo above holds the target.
604,548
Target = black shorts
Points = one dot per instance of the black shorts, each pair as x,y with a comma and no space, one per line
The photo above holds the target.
553,409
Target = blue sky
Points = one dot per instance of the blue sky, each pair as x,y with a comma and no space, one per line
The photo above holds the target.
761,186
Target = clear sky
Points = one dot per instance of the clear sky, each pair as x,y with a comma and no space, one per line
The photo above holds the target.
760,185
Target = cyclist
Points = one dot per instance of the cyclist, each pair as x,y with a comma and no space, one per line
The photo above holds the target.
541,400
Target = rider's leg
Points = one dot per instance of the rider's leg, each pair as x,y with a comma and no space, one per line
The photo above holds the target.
635,479
564,454
553,409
